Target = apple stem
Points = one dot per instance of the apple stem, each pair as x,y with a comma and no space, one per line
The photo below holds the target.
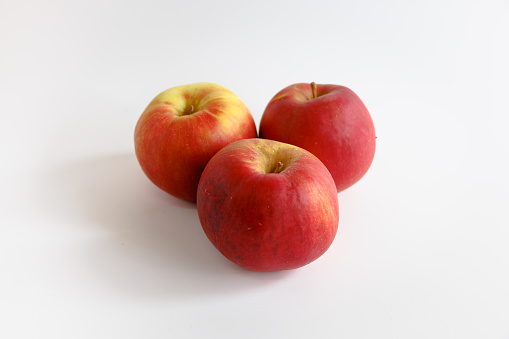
188,110
279,167
313,88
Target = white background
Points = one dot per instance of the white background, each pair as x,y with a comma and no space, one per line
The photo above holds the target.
89,248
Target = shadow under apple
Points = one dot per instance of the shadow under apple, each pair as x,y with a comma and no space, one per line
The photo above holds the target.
148,243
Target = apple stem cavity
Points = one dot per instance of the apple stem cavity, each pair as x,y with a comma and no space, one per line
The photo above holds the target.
314,90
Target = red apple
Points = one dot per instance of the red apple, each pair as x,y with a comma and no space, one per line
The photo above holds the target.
330,121
268,206
182,128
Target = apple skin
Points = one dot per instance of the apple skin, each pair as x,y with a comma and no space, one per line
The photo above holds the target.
266,216
182,128
335,126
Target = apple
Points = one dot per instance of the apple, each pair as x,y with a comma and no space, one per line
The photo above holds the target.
182,128
267,205
330,121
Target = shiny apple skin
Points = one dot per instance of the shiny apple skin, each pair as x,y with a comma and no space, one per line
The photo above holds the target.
335,126
266,221
174,141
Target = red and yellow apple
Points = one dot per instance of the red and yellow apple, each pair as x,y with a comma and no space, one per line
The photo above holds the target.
182,128
268,206
330,121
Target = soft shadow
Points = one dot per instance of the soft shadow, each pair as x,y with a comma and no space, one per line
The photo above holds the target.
149,244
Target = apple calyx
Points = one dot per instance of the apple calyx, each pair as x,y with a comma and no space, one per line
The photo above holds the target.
314,90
